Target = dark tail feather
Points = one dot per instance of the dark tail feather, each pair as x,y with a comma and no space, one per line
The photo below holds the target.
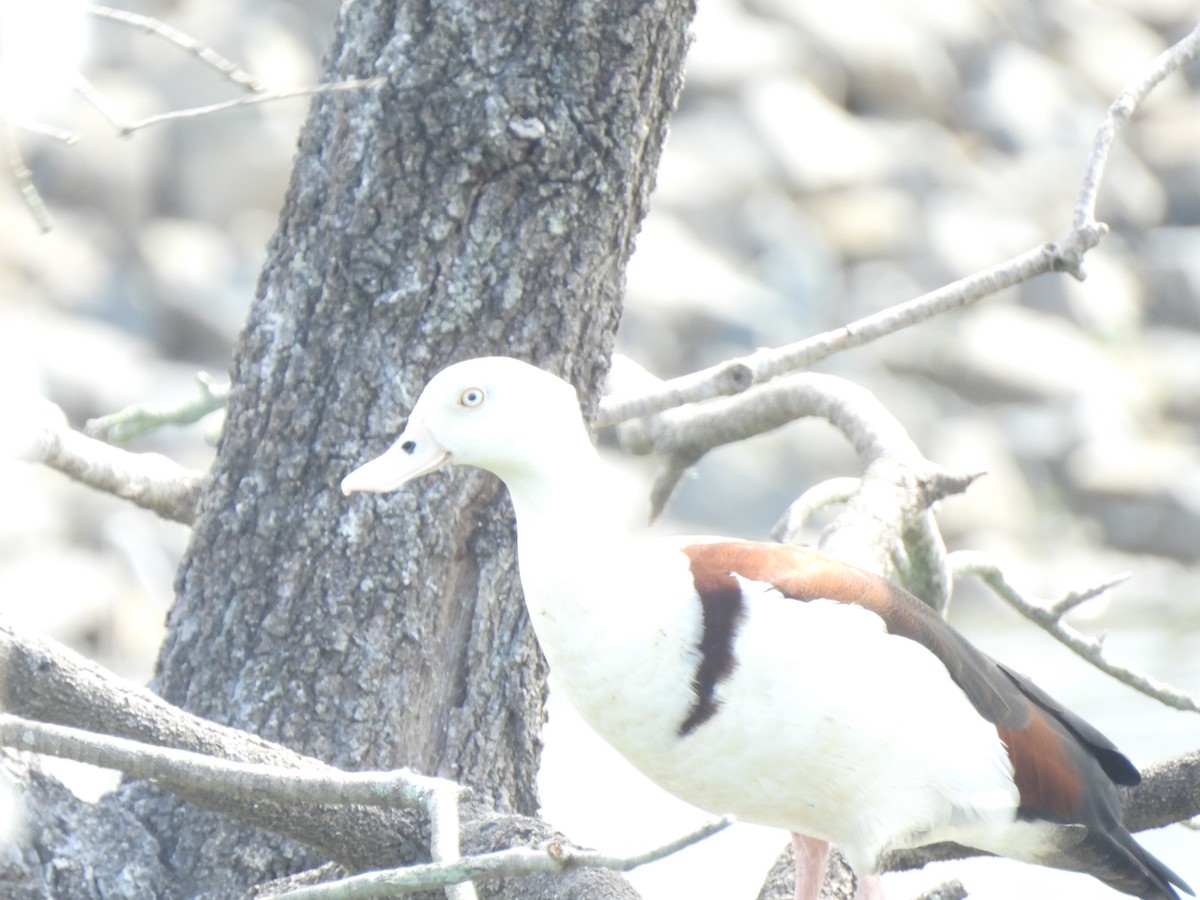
1122,863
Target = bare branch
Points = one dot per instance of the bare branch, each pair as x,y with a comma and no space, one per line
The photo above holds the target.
1049,617
23,179
627,376
148,479
264,97
682,436
99,102
1170,60
203,52
831,492
736,375
196,774
553,857
46,130
46,681
184,41
141,418
1072,599
1168,793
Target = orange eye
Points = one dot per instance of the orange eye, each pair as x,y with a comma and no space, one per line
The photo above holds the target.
471,397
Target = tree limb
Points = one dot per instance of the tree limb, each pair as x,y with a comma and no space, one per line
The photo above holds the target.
185,770
197,774
150,480
898,484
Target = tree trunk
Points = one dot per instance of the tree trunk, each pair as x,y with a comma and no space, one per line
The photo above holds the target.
483,200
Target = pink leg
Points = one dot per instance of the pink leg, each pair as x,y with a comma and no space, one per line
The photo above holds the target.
812,856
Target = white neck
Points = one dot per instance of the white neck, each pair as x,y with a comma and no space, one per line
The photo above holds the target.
567,498
568,521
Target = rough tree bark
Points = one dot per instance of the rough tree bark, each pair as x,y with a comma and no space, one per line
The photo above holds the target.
483,200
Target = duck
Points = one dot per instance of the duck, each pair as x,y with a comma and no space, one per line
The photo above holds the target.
767,681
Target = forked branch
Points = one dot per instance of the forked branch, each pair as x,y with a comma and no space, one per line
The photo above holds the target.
1049,616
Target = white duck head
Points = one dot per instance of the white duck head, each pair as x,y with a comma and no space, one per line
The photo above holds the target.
496,413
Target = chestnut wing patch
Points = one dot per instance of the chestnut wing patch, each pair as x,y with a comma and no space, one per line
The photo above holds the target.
804,574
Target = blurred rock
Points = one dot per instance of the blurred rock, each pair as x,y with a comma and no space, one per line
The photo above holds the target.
816,144
1144,494
1171,257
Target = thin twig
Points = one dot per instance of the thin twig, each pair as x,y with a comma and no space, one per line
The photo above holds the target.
99,102
553,857
1048,616
141,418
45,130
184,41
1119,113
1072,599
24,180
265,97
830,492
